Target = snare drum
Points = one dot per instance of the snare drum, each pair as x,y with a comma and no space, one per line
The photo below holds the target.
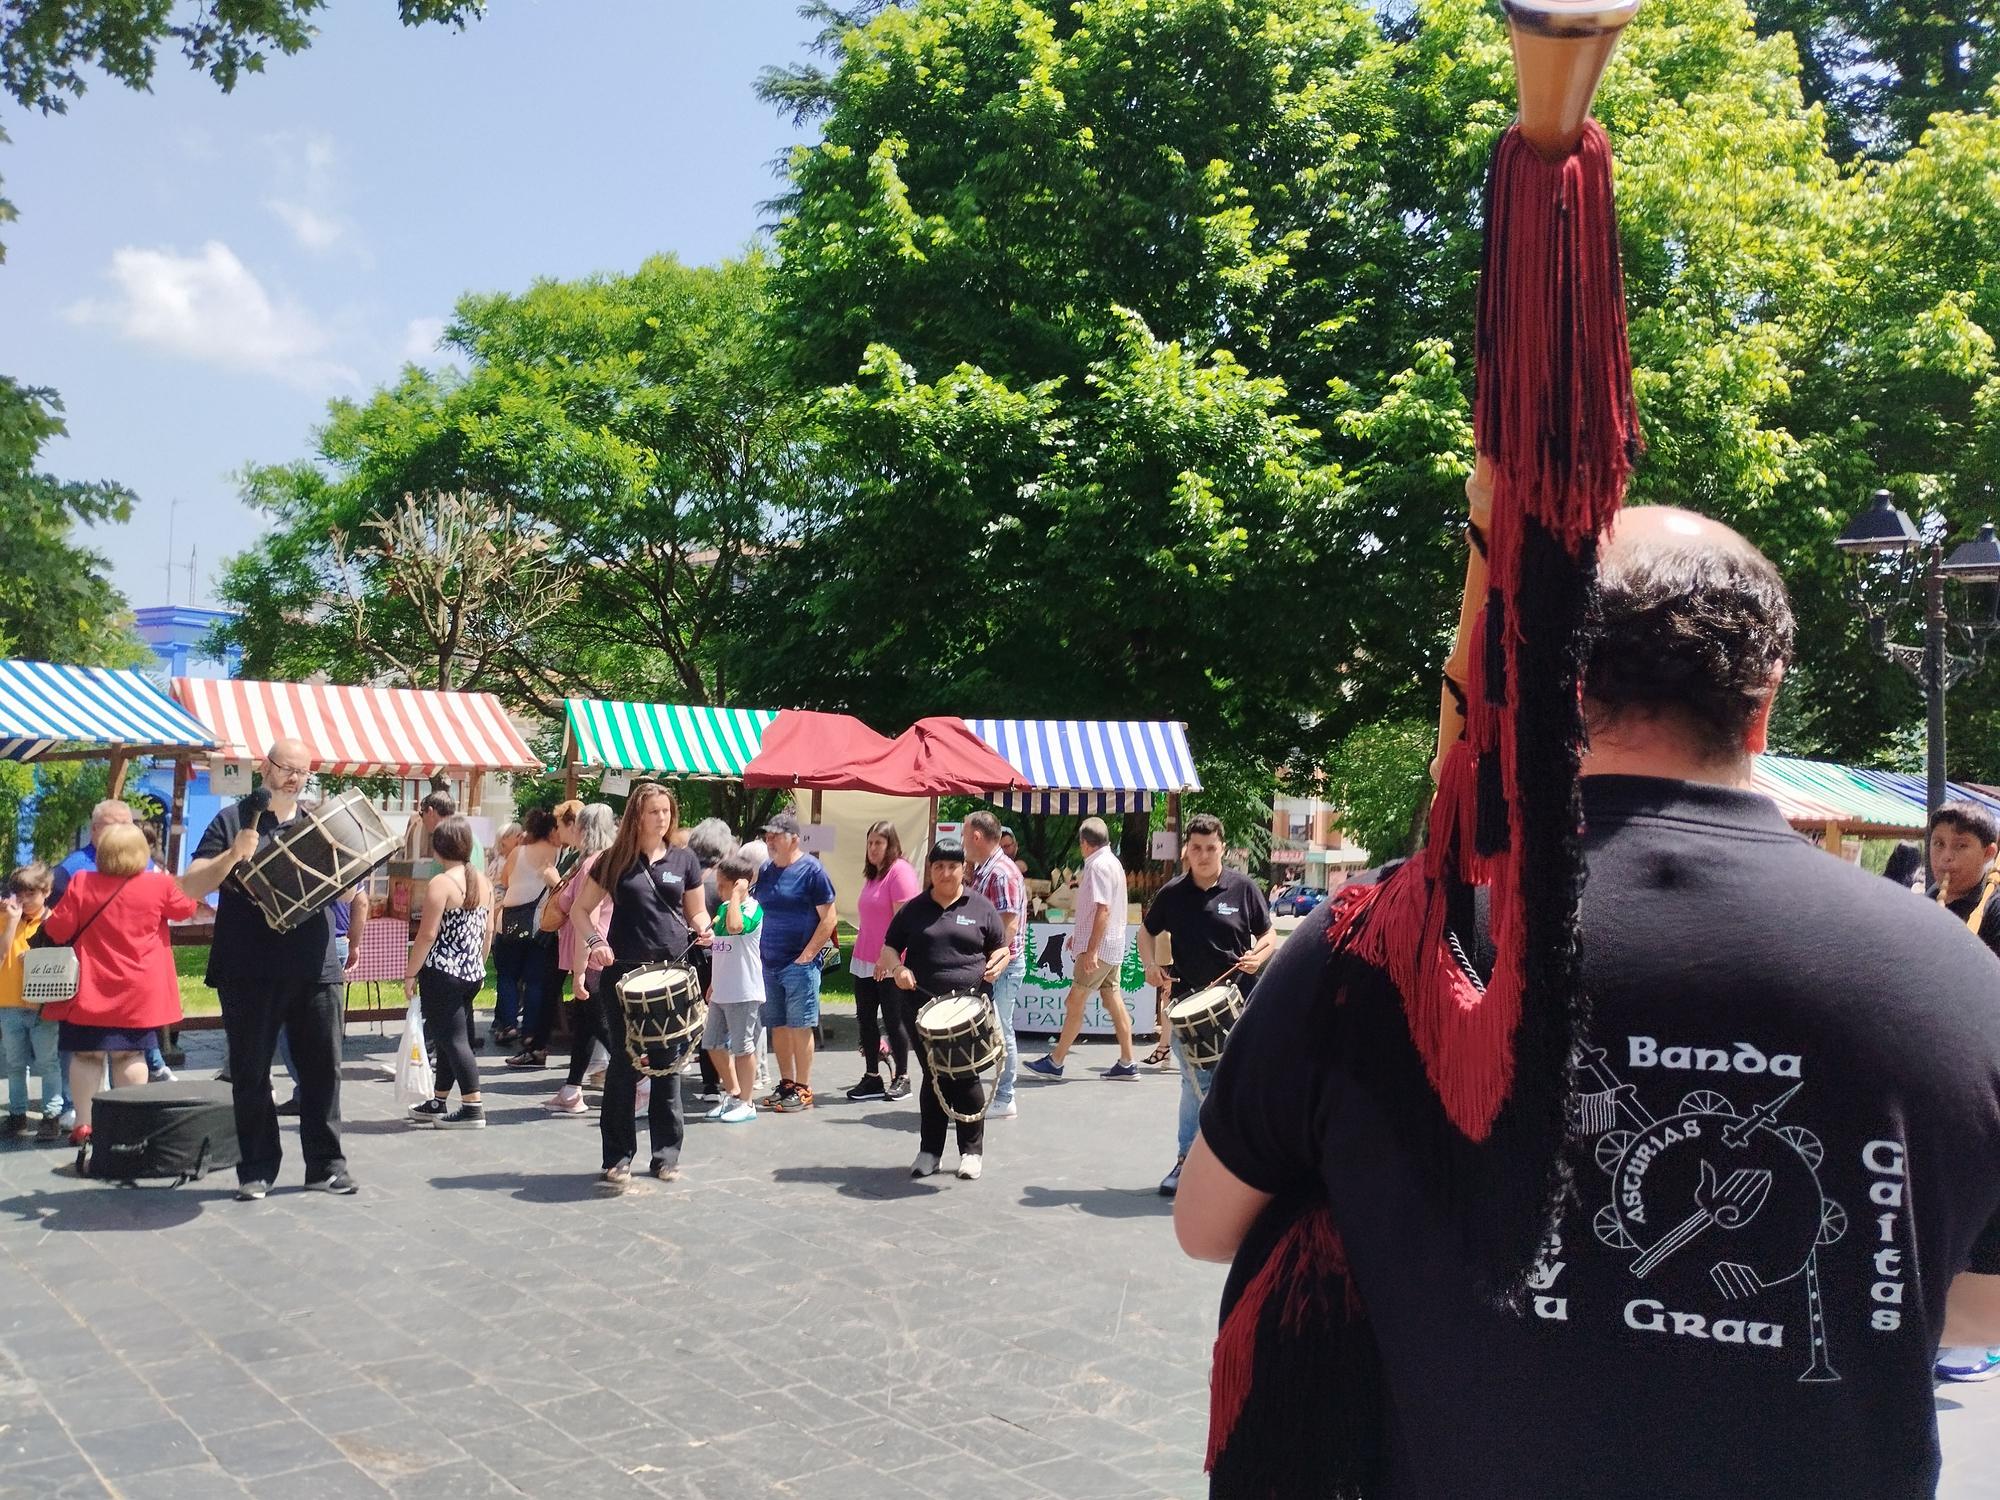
1203,1021
960,1035
664,1012
329,847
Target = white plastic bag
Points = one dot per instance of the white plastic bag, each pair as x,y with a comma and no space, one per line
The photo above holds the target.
414,1079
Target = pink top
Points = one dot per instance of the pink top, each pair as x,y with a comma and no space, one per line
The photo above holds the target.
565,899
879,899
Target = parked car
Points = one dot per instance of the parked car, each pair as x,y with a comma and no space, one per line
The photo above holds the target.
1297,900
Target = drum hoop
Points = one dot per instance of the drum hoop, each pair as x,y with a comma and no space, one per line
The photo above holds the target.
676,1043
281,910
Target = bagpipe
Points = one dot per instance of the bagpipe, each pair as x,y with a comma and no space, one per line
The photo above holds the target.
1297,1401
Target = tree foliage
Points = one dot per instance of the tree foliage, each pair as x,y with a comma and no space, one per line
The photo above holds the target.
55,602
48,47
1380,778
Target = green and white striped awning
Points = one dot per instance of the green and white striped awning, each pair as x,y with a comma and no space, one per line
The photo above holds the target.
666,739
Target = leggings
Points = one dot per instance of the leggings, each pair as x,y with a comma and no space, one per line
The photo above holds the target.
873,998
448,1024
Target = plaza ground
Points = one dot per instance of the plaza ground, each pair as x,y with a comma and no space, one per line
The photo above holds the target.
795,1317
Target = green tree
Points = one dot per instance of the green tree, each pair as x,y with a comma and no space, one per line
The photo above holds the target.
55,602
47,47
1882,68
630,428
1380,779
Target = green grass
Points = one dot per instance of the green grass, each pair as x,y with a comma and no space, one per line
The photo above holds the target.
197,999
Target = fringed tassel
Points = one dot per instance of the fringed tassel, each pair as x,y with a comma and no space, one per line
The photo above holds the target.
1295,1404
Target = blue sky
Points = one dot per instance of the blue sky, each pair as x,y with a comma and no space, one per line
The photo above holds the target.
198,273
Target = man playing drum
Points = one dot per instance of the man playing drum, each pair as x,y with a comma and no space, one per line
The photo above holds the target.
268,979
1218,930
945,941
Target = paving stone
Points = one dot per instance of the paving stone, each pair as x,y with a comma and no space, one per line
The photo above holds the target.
260,1452
120,1452
196,1482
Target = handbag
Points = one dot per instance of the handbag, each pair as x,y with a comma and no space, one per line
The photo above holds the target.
517,923
51,975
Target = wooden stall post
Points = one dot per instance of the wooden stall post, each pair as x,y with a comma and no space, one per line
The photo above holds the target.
115,786
475,786
569,782
177,816
817,795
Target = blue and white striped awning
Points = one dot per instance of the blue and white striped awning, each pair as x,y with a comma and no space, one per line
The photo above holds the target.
1090,765
46,708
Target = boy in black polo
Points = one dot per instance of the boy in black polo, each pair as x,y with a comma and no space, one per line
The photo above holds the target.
946,940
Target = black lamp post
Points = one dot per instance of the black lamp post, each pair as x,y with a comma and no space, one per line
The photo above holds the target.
1895,568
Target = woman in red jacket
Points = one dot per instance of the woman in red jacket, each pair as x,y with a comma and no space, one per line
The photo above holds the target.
116,918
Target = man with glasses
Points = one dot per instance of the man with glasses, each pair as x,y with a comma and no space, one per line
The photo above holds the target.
267,980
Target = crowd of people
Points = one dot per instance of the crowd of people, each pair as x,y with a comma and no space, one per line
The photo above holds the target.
569,902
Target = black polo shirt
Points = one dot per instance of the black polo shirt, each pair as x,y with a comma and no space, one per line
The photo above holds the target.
946,946
1773,1031
246,950
1989,921
1209,928
648,915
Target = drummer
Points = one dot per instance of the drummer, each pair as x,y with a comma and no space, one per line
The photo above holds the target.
945,940
657,915
267,979
1218,927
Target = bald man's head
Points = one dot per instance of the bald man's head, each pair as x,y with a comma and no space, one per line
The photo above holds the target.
1693,630
286,765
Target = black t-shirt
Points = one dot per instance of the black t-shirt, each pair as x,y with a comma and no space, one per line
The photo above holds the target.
1210,929
946,946
1773,1028
1989,923
245,949
648,918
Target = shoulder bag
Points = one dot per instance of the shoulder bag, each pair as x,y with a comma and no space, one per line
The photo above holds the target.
50,976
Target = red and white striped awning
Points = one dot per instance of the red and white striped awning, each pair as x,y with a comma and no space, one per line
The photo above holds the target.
358,731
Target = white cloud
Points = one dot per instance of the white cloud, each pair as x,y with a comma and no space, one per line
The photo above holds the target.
210,307
308,202
420,339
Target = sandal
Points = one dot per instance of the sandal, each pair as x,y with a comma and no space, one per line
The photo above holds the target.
527,1057
1159,1054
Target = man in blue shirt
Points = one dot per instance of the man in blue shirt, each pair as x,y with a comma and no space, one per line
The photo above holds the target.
797,898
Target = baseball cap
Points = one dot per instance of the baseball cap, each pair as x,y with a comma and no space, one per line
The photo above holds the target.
948,849
783,822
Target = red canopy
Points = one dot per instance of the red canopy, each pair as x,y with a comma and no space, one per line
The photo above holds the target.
836,753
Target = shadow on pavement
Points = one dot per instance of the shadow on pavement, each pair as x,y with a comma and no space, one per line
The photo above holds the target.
904,1120
114,1208
1103,1203
862,1182
539,1187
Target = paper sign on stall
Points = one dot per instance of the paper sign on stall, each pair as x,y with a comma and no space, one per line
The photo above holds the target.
615,784
818,838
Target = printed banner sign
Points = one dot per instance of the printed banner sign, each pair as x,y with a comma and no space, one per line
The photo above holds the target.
1047,984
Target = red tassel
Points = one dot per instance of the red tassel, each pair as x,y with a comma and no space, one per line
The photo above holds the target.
1308,1267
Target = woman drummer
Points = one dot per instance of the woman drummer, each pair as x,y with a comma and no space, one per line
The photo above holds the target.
657,914
945,940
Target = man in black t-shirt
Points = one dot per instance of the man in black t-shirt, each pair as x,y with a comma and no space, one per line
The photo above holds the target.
1785,1135
1218,927
946,940
267,979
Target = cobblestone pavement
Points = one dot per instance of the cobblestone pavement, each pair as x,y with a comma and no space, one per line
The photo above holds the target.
795,1317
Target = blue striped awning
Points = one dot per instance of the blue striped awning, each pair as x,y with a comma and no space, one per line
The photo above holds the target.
45,708
1090,765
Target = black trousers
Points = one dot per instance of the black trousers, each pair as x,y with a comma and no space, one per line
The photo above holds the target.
535,1037
311,1014
664,1118
875,998
584,1028
966,1095
448,1027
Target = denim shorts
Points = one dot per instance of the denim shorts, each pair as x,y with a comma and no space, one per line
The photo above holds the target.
791,995
731,1028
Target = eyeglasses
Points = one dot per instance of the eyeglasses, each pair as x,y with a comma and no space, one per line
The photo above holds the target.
284,770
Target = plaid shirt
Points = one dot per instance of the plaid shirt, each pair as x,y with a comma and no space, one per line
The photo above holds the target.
999,882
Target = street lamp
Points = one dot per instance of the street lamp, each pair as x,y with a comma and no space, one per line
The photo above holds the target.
1892,562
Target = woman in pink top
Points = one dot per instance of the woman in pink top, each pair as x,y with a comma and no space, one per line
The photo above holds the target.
596,827
888,881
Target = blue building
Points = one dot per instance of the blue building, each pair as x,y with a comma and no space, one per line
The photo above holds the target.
179,637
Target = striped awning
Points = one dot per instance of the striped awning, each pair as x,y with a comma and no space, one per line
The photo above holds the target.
1815,793
46,708
1090,765
667,739
359,731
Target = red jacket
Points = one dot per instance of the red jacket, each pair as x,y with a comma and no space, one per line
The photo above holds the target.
124,958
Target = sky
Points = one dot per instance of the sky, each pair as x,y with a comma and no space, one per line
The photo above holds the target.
198,273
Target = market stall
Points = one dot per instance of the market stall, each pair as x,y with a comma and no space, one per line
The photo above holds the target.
1836,802
52,712
695,742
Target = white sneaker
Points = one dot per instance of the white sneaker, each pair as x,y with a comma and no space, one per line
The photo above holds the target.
924,1166
969,1168
1005,1111
719,1111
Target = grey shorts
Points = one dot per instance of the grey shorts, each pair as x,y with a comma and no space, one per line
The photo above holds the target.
731,1028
